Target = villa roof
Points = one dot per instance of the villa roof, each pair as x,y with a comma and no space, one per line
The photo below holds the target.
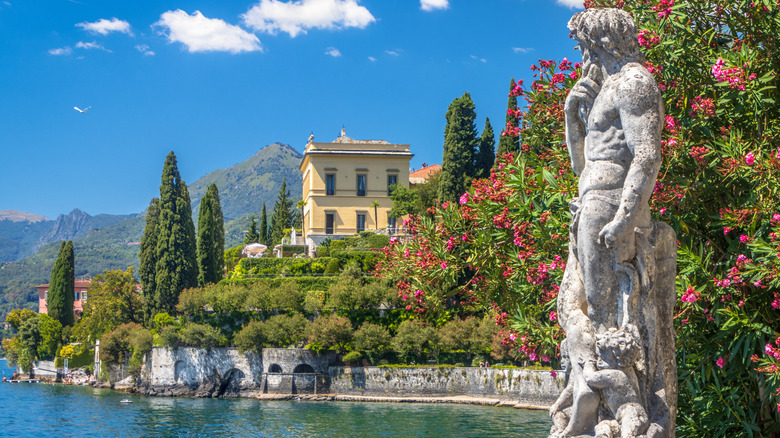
426,172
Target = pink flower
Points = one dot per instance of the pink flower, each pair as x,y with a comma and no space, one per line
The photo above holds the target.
553,316
726,230
464,198
533,357
545,358
554,374
744,239
513,336
750,159
444,265
690,295
720,362
663,211
776,303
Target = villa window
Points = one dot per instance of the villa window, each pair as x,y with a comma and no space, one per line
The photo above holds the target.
391,181
75,296
330,184
329,220
83,296
361,185
361,222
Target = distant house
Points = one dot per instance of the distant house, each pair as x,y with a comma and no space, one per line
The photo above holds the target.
420,176
79,296
341,181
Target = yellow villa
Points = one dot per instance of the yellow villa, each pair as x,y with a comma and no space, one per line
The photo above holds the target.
344,179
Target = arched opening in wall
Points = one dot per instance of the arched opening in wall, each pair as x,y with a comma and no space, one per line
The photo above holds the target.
303,379
231,383
178,368
272,380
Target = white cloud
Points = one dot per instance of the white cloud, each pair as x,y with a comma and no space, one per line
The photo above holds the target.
104,27
92,45
60,51
332,51
372,59
143,48
295,17
573,4
522,49
396,52
476,58
7,3
201,34
432,5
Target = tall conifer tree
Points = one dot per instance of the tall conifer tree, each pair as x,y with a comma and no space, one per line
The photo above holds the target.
176,268
61,286
281,218
207,264
219,233
252,236
487,151
460,141
148,259
264,227
507,144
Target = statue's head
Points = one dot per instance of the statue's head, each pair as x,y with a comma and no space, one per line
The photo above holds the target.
610,30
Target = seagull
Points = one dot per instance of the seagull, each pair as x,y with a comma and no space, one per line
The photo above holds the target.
82,111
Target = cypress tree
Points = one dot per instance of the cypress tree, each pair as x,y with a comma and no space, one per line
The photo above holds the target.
251,236
148,259
206,242
281,218
176,267
460,141
263,227
507,144
61,287
219,231
487,152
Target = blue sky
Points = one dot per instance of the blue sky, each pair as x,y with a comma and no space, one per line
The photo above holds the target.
215,81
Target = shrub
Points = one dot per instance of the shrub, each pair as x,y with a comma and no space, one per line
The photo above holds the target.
129,341
334,267
330,332
353,358
414,339
285,330
201,336
373,338
251,337
170,337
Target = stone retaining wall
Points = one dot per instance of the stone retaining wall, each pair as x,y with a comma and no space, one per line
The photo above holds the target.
224,372
526,386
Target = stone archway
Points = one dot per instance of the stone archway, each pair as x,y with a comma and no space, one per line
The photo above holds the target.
303,383
230,384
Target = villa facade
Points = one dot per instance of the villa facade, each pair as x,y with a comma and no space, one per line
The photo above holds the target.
79,296
342,180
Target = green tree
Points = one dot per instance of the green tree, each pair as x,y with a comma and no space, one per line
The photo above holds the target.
51,337
219,231
460,141
487,152
301,204
209,266
148,259
330,331
416,200
251,236
281,216
176,268
61,287
509,143
375,206
263,227
113,301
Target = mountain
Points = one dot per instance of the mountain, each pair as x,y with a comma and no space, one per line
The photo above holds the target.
106,242
244,187
20,216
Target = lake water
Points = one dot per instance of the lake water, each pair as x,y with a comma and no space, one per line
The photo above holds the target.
71,411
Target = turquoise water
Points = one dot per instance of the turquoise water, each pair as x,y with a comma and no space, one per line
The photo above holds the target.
71,411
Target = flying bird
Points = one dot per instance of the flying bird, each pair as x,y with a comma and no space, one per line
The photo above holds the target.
82,111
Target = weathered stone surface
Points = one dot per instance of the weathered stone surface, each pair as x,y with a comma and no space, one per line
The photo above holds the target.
618,292
530,386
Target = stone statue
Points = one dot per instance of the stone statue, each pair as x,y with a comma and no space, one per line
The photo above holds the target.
617,296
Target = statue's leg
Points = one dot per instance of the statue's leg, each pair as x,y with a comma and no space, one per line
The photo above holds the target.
597,265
